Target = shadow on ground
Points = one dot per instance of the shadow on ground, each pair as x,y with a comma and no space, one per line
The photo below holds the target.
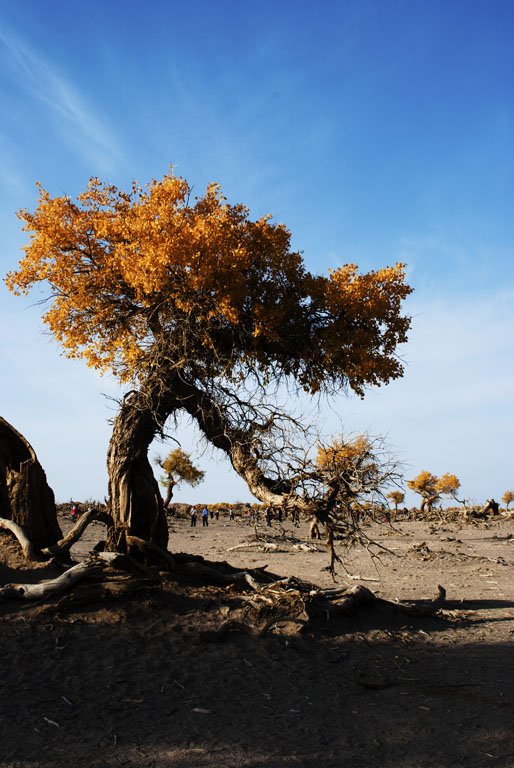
134,684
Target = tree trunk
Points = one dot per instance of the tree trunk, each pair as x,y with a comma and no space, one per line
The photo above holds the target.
135,501
169,494
25,496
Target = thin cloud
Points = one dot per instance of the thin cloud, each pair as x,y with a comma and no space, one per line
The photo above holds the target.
82,129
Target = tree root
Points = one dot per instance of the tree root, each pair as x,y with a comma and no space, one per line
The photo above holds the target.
75,533
428,609
30,552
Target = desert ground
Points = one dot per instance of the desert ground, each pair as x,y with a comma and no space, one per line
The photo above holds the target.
137,681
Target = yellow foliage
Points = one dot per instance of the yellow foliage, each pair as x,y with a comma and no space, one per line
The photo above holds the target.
448,484
347,457
178,468
507,498
425,483
149,275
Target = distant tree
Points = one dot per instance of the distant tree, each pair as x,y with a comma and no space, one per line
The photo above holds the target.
448,485
355,472
507,497
431,488
425,484
397,497
178,468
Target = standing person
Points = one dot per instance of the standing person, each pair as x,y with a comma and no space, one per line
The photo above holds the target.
217,513
249,515
231,515
75,513
268,517
205,517
212,513
192,513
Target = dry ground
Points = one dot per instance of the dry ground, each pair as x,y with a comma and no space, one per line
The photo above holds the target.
133,682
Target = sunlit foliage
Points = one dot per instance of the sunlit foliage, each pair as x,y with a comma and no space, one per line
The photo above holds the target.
397,497
431,488
178,468
155,277
507,498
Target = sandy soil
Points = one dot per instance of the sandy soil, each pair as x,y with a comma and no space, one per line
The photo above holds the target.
132,682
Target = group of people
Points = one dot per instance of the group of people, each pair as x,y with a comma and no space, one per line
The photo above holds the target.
206,514
194,512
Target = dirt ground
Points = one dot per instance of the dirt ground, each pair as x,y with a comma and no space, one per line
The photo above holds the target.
133,682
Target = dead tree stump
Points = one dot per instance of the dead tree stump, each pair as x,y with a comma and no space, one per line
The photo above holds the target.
25,496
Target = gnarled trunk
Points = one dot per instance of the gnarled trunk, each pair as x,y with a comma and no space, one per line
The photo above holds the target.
25,496
135,501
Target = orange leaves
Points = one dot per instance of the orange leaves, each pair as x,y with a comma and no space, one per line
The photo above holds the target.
430,486
151,272
346,454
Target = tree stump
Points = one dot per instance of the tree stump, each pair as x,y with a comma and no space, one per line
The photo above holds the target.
25,496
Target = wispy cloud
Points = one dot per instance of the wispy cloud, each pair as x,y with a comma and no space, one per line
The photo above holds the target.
81,127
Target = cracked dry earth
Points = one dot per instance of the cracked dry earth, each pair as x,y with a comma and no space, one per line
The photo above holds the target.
133,682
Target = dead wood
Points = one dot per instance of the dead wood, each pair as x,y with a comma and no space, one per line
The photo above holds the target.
124,562
49,588
25,496
29,550
85,594
74,534
428,609
140,547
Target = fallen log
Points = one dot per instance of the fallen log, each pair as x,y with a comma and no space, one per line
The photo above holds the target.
427,609
49,588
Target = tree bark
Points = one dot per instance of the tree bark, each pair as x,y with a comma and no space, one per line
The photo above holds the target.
135,501
169,494
25,496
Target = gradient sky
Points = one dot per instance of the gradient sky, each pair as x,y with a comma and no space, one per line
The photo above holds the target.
377,131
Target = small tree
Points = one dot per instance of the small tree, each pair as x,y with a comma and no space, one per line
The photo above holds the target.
507,497
425,484
353,472
397,497
448,485
431,488
178,468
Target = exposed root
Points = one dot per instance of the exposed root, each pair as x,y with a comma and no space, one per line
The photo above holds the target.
29,550
75,533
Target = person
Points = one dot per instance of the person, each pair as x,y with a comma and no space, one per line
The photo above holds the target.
231,515
268,517
249,515
217,513
192,513
205,517
74,513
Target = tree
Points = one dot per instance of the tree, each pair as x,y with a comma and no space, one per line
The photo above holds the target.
426,485
431,488
178,468
25,496
448,485
397,497
507,497
354,472
198,308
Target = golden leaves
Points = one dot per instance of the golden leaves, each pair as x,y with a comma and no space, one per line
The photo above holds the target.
135,273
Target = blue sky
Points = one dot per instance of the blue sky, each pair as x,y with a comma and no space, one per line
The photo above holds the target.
377,131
